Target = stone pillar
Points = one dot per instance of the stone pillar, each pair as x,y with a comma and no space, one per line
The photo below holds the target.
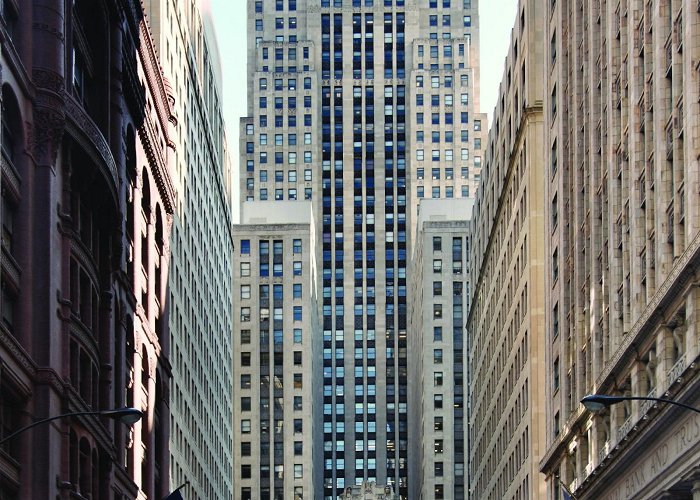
696,489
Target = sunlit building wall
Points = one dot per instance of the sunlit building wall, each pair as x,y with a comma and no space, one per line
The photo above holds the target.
622,236
505,324
201,301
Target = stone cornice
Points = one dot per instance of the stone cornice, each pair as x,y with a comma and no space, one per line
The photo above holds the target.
149,134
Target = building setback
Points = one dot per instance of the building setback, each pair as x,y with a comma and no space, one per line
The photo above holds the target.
87,203
623,232
505,324
200,293
436,363
341,96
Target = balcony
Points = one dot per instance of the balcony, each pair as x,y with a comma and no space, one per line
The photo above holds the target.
88,135
674,374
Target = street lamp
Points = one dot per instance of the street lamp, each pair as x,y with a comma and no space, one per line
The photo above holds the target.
126,415
596,402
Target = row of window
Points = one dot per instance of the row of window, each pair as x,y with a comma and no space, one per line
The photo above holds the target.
436,173
292,193
436,155
446,20
291,5
279,140
279,176
291,157
277,269
448,99
279,84
437,81
265,292
245,336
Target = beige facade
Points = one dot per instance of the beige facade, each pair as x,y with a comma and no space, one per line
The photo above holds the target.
201,268
277,410
436,358
622,245
505,325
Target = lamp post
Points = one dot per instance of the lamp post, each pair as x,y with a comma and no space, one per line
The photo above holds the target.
596,402
126,415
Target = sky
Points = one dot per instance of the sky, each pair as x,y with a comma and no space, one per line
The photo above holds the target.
496,16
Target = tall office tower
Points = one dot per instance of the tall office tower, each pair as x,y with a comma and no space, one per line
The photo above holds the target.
622,191
505,324
278,361
436,402
86,203
333,93
201,307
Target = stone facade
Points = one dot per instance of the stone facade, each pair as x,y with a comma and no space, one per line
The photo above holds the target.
342,96
505,324
87,204
277,368
623,236
200,295
439,287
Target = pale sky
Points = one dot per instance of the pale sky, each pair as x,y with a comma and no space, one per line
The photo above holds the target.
497,17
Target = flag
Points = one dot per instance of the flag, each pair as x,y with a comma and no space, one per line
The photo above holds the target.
565,493
176,495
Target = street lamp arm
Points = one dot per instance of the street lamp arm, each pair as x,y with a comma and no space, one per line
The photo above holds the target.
127,415
598,401
45,420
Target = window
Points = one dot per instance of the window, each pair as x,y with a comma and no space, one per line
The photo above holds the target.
437,401
297,313
297,290
245,381
420,154
245,404
297,268
245,268
245,247
245,336
437,311
245,313
437,288
477,125
298,471
245,291
245,426
437,265
437,334
437,379
438,423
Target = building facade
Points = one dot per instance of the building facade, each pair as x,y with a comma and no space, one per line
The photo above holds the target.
201,300
505,324
87,204
436,350
622,237
278,447
339,91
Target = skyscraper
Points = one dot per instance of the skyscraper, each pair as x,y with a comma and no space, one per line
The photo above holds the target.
439,291
340,91
278,362
202,248
505,324
623,228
